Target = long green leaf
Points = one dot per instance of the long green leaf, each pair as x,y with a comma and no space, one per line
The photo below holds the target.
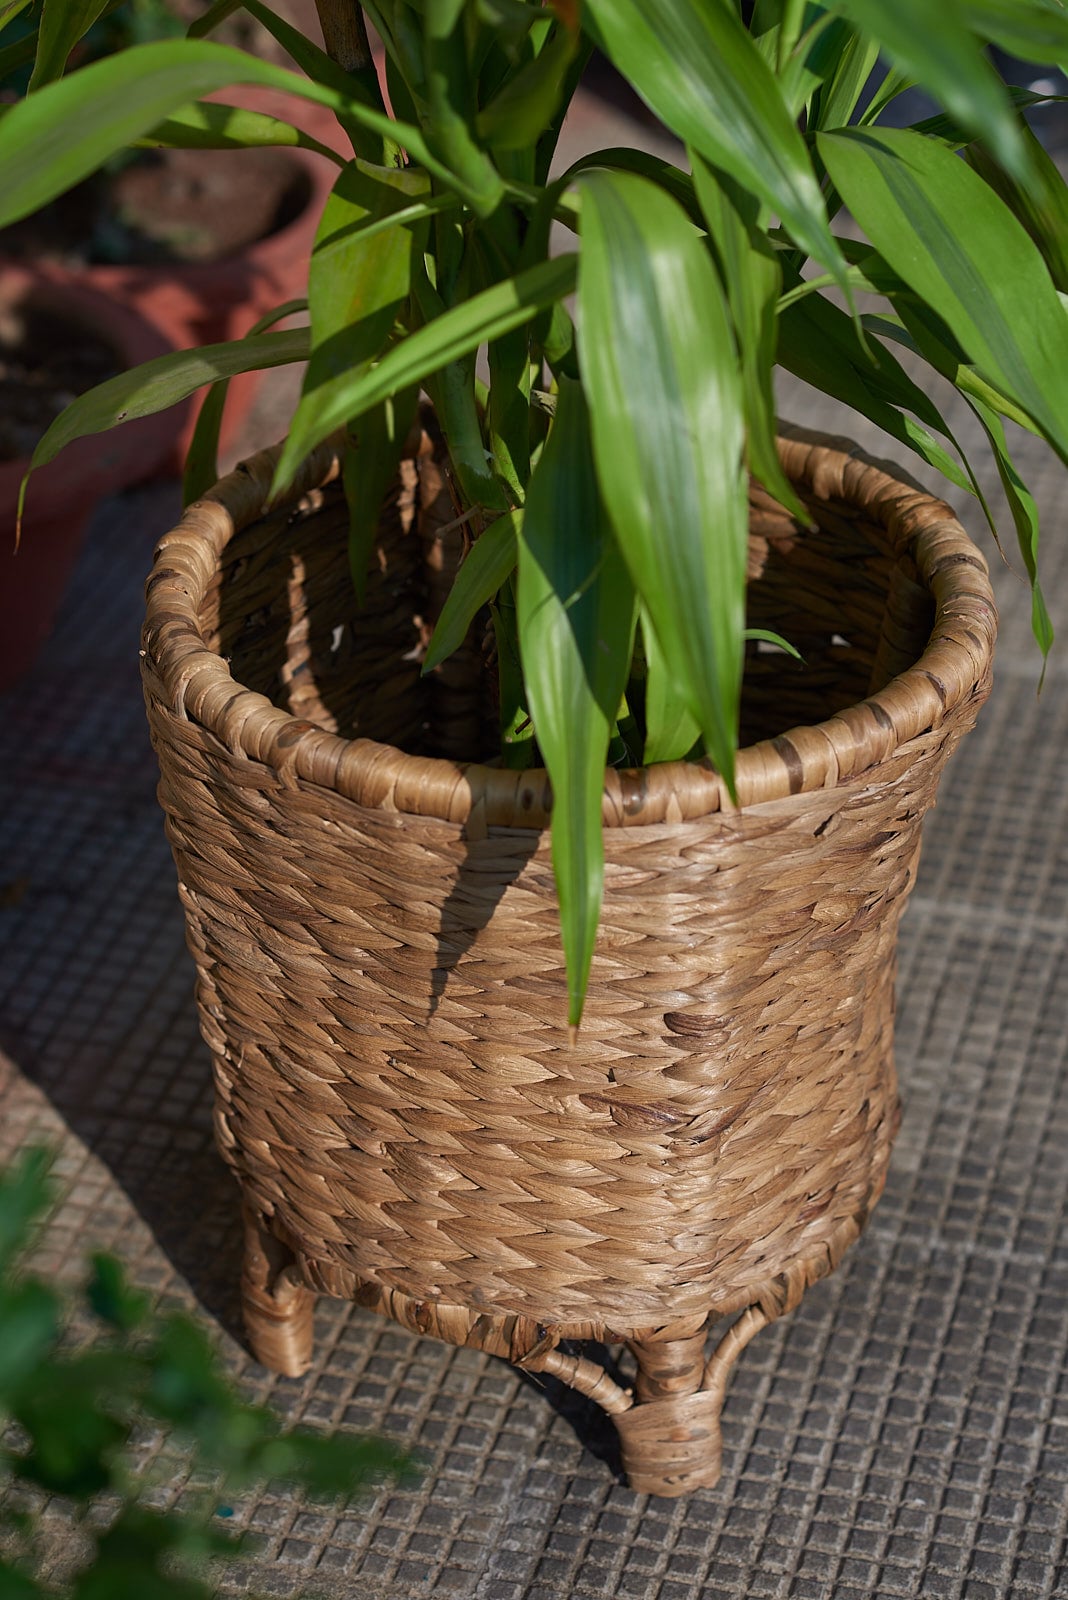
831,327
10,9
62,24
932,44
212,18
1024,512
526,103
451,106
1042,208
454,389
752,277
513,719
545,152
508,413
661,373
678,184
360,268
209,125
869,273
696,66
454,394
769,636
948,129
575,605
201,466
920,340
358,278
160,383
202,458
512,368
670,730
801,64
927,338
853,62
361,85
940,226
818,344
310,57
112,103
373,449
486,568
894,83
454,334
1034,30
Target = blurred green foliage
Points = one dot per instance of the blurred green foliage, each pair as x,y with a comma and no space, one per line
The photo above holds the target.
76,1409
122,23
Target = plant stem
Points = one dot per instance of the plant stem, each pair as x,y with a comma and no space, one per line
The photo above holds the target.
517,733
345,38
344,33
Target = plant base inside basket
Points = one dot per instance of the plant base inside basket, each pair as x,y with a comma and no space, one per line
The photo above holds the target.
380,978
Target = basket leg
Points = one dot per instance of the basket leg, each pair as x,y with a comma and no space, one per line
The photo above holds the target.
277,1306
671,1361
670,1437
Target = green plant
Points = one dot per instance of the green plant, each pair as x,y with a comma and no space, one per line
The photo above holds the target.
603,470
77,1407
32,54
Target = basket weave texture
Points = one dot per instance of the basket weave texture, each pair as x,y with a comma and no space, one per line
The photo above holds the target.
380,976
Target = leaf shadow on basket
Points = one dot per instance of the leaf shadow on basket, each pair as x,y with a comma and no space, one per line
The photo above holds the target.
488,868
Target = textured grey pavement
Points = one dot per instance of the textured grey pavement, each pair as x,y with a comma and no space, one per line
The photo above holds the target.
904,1434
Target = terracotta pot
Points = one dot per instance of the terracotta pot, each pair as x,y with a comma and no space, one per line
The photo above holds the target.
62,495
380,978
209,302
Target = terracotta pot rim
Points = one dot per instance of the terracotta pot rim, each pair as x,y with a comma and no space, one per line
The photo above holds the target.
843,748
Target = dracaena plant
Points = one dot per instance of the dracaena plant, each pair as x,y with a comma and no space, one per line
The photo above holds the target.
604,466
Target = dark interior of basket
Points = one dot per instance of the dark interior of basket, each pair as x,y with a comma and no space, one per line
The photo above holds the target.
284,612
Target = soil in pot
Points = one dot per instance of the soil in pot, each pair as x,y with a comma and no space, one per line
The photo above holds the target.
167,207
46,359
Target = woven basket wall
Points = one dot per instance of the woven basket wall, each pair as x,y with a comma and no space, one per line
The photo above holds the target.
374,923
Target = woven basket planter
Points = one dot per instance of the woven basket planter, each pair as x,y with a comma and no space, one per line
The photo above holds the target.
380,977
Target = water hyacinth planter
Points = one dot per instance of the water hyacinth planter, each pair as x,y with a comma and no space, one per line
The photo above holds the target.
380,978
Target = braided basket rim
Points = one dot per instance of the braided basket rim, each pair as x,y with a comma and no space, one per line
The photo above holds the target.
199,686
